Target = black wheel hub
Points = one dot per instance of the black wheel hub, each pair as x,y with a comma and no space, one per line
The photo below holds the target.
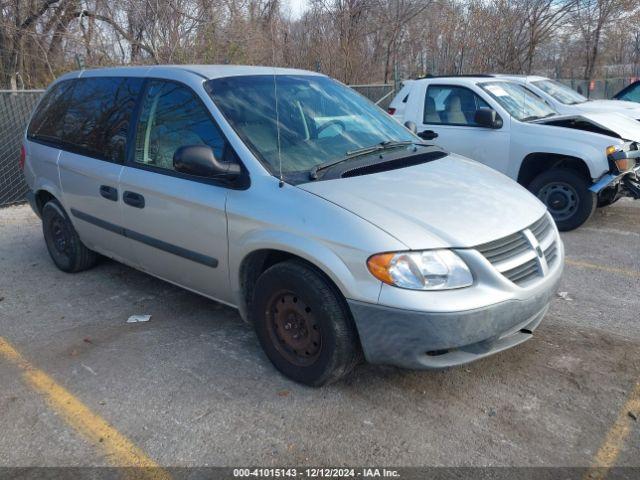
60,235
293,329
560,198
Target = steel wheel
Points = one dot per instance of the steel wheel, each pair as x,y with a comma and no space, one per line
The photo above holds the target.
60,235
561,199
65,247
293,328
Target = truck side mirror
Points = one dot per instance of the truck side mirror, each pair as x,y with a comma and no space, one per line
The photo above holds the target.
488,118
411,126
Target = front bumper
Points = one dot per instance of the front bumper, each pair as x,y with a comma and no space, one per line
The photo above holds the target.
626,183
423,340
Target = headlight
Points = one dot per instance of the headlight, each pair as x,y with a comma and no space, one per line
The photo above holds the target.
425,270
618,154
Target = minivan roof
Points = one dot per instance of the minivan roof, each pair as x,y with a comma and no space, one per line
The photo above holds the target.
205,71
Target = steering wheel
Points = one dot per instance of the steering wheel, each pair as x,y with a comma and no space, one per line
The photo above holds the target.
328,124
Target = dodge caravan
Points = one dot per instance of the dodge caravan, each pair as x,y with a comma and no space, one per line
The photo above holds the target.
334,230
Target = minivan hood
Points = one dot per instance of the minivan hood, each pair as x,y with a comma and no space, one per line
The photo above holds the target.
450,202
625,127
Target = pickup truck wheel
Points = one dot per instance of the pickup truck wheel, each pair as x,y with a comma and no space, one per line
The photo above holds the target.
65,247
567,196
304,324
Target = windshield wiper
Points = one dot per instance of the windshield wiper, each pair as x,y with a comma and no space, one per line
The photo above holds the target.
386,145
537,117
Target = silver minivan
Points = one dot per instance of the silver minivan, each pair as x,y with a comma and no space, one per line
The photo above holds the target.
334,230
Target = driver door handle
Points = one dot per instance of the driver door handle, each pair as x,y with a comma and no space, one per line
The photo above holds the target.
133,199
428,135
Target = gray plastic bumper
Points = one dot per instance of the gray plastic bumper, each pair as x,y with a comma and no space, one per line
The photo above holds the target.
31,198
412,339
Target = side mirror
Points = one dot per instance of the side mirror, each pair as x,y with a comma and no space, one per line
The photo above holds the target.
488,118
411,126
200,160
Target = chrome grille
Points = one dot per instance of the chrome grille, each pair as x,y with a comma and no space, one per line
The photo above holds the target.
551,253
516,256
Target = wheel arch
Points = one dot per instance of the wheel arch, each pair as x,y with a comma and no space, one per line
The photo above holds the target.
258,255
41,197
536,163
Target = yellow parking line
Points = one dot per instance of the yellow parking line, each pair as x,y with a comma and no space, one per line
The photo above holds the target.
604,268
610,448
118,447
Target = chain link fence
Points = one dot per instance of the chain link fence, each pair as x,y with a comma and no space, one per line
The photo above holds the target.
15,110
380,94
604,88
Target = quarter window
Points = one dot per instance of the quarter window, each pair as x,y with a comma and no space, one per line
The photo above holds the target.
450,105
47,122
172,117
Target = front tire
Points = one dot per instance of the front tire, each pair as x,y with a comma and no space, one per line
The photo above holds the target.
304,324
567,197
65,247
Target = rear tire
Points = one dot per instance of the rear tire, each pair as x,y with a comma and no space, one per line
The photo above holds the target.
65,247
567,197
304,324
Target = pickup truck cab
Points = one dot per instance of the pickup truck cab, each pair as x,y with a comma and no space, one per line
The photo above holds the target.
336,232
567,101
572,163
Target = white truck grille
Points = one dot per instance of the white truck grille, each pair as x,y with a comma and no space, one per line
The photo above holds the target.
526,255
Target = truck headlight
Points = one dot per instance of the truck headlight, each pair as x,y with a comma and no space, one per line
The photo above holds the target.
421,270
623,162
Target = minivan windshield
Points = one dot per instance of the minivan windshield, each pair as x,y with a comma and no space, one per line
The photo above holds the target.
320,120
560,92
520,102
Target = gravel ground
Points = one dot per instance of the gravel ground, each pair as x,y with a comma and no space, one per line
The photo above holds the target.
192,387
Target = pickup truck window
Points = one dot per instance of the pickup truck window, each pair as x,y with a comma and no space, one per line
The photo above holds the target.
451,105
630,94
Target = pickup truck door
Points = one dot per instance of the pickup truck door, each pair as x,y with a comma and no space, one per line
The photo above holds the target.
177,221
449,112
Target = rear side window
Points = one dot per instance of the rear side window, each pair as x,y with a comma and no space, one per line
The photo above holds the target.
47,122
97,119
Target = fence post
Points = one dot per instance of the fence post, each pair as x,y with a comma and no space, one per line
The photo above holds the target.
396,79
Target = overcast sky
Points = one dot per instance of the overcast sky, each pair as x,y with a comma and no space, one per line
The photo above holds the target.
297,7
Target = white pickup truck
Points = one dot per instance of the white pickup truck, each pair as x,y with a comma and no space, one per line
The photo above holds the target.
573,163
567,101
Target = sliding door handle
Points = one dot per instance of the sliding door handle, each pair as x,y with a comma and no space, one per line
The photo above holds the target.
133,199
109,193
